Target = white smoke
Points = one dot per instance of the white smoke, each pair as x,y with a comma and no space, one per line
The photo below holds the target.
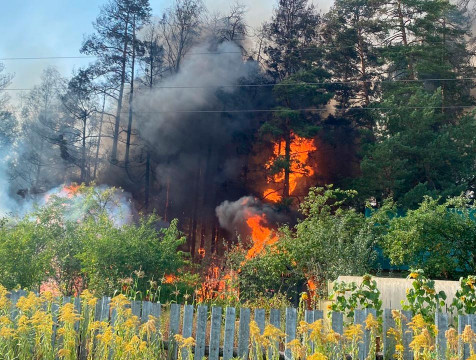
7,204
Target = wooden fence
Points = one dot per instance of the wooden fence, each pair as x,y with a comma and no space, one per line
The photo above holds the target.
224,334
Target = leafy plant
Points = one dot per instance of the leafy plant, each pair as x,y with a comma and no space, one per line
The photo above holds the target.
348,296
465,298
422,298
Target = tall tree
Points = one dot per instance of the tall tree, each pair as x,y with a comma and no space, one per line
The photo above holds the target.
293,52
39,167
79,134
180,28
5,80
352,29
113,44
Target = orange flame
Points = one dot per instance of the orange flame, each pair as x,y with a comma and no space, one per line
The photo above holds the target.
300,149
71,190
261,235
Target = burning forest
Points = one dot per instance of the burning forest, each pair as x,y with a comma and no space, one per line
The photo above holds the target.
196,151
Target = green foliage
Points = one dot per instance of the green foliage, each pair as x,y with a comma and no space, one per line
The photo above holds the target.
348,296
75,241
418,151
422,297
331,240
439,238
25,258
464,301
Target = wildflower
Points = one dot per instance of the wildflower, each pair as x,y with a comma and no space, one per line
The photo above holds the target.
333,337
452,338
414,275
68,314
7,333
272,332
317,356
119,301
418,322
371,322
468,335
304,296
354,332
399,348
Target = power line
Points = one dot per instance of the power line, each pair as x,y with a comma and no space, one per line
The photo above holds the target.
324,47
290,84
232,111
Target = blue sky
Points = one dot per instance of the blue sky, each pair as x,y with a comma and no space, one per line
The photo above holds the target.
32,28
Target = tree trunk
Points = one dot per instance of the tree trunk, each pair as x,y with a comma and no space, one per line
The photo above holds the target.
96,161
131,96
363,67
83,152
403,30
287,169
115,138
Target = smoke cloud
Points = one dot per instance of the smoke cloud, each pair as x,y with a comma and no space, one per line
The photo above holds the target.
193,88
195,152
232,215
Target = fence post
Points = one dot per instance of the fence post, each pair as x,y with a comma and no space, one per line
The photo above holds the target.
291,320
244,333
275,320
441,323
388,341
229,340
187,327
215,332
202,313
407,334
174,329
359,319
463,348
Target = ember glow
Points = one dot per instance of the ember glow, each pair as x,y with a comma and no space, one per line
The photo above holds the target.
261,234
300,150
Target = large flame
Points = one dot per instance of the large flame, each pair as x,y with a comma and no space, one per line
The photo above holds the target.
300,149
261,234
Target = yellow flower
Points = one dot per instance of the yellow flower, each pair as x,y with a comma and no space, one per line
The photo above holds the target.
414,275
317,356
399,348
7,333
273,333
468,335
64,353
418,322
354,332
452,338
333,337
422,340
371,322
68,314
119,301
304,296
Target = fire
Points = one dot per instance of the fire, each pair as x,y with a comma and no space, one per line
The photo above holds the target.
261,235
71,190
300,150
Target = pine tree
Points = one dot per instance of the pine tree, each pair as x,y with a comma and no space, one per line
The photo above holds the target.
113,44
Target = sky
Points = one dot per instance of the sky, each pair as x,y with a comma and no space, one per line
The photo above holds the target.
40,28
